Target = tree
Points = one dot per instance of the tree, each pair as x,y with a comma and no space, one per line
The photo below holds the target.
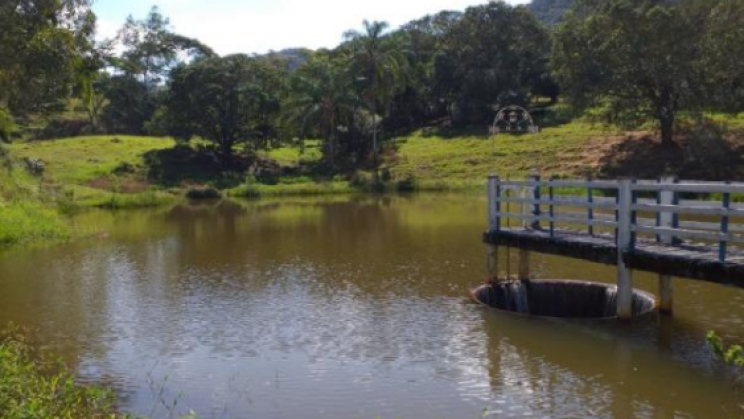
422,99
41,44
129,104
151,49
636,58
92,79
494,55
321,100
379,61
227,101
724,45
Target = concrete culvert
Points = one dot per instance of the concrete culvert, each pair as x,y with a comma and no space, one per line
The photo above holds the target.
559,298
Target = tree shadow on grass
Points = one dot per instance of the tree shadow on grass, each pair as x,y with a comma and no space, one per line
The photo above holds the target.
174,167
699,154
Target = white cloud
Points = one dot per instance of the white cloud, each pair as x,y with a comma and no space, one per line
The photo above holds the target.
232,26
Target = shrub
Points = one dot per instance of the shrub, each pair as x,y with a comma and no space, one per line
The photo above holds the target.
203,192
406,184
7,126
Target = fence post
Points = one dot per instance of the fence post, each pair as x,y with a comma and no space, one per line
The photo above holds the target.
624,243
722,245
590,200
494,203
551,196
534,193
666,220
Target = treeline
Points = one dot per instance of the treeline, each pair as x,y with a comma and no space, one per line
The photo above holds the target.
629,61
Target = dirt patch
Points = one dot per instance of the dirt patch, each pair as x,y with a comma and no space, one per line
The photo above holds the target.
128,185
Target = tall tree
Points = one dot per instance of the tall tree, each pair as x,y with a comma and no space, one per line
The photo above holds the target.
724,45
379,61
421,100
152,49
495,54
635,58
321,101
226,100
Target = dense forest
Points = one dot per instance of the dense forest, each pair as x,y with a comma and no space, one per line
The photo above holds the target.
625,61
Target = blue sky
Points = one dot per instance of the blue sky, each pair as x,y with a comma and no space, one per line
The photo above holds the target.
232,26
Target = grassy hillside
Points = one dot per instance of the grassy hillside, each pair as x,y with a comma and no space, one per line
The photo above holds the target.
82,160
468,159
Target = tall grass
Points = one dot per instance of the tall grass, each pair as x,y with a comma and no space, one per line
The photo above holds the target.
34,387
27,221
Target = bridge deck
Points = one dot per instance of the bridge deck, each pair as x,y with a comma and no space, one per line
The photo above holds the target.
697,261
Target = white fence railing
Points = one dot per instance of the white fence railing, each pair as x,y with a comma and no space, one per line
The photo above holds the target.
667,210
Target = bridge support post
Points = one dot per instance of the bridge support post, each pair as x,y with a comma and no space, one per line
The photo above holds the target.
532,192
524,265
494,224
492,262
624,245
666,220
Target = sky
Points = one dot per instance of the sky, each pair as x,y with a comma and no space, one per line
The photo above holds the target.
258,26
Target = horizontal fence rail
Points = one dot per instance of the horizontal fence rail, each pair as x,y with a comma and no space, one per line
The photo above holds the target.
624,209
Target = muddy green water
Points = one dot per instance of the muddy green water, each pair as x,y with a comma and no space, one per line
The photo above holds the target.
348,308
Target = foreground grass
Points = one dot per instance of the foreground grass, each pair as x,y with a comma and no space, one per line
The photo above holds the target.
24,217
32,387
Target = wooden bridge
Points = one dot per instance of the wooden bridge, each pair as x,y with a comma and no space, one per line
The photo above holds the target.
674,228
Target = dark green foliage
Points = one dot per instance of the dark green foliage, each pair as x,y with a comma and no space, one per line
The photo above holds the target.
7,126
41,46
494,55
130,105
322,102
152,49
422,99
204,192
640,59
227,101
406,184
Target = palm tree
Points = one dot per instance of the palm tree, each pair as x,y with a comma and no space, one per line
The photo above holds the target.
380,60
322,94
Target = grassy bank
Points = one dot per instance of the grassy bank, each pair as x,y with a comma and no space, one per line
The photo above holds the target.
28,222
25,217
102,171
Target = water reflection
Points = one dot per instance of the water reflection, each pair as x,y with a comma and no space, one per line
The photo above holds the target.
347,307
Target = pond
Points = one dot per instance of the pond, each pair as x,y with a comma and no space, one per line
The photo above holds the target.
348,307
